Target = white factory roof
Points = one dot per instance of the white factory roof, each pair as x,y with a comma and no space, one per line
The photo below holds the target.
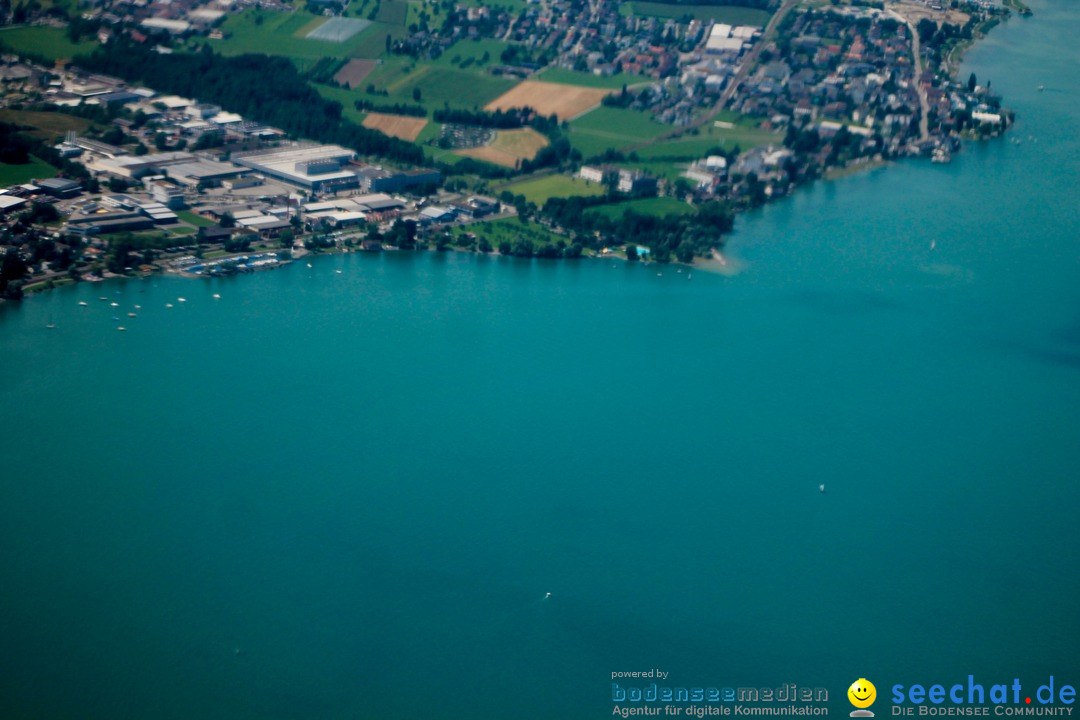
9,201
177,26
722,44
227,118
720,30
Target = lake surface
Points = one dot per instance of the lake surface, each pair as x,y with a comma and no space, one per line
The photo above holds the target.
346,495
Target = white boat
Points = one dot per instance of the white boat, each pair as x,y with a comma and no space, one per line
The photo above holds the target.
131,314
181,299
121,328
114,304
83,304
821,487
216,296
168,304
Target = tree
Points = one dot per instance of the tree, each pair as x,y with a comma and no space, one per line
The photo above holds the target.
416,94
227,221
685,252
286,238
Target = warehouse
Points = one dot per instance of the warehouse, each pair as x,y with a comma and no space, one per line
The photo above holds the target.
318,168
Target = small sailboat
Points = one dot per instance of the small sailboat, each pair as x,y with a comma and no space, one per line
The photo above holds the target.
547,595
1041,88
168,305
216,296
181,299
115,304
338,272
821,487
933,244
309,264
50,325
82,303
121,328
131,314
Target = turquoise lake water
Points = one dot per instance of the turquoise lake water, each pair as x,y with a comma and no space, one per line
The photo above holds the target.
345,495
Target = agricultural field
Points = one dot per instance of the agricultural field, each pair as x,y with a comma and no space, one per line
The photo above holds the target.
731,14
509,147
466,54
541,190
18,174
584,79
393,12
656,206
440,86
46,125
352,74
337,29
287,34
613,128
49,42
744,135
566,101
399,126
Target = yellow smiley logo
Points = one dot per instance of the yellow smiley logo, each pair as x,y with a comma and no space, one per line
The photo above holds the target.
862,693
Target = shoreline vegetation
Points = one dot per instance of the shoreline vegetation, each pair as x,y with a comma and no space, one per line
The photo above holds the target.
563,216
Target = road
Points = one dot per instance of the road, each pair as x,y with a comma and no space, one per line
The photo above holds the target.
750,61
924,121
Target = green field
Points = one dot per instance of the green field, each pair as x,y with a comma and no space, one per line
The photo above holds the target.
19,174
283,34
513,6
744,135
440,86
612,128
732,14
657,206
470,54
49,42
347,98
192,219
584,79
509,230
46,125
393,12
431,131
669,170
540,190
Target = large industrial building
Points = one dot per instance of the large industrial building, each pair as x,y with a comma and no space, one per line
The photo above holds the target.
318,168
